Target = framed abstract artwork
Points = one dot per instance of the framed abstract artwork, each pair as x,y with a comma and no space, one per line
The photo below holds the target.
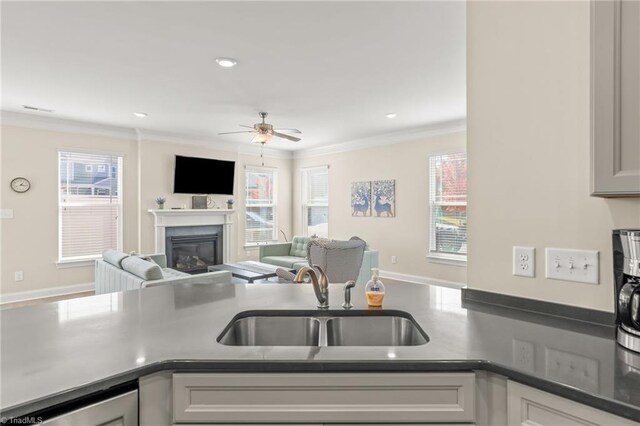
383,198
361,199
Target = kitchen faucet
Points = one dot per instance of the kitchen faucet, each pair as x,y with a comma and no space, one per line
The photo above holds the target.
320,283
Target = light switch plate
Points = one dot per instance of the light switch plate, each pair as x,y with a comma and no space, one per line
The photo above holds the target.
524,261
6,213
581,266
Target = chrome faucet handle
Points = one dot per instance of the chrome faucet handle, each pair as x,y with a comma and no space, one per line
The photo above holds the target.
347,294
320,287
322,276
322,292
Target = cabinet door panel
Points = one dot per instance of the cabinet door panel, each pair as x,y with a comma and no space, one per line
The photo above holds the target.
528,406
615,98
629,150
324,398
121,410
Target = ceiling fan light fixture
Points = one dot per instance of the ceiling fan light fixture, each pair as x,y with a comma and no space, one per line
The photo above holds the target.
262,138
391,115
140,114
226,62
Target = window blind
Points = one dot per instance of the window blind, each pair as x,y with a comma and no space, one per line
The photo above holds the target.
448,204
89,204
260,205
315,201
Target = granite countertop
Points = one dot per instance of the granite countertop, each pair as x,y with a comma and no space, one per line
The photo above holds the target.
56,352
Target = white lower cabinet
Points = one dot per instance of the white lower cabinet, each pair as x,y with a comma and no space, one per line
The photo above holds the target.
324,398
121,410
367,399
528,406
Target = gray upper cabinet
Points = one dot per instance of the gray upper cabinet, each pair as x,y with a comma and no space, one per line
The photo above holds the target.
615,98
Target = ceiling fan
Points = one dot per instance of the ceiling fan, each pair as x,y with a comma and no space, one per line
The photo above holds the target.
265,131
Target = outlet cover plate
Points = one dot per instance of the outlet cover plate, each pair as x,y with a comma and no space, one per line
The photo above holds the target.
524,261
581,266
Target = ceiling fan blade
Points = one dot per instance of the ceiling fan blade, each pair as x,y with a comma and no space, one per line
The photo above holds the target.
248,127
243,131
288,130
283,136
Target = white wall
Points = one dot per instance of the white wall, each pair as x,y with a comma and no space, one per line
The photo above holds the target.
406,235
29,241
528,149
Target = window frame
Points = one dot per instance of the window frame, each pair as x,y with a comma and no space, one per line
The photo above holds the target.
433,255
305,205
88,259
273,204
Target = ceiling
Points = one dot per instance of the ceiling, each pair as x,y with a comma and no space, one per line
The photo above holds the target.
331,69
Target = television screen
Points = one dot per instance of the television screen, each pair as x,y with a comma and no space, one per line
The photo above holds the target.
203,176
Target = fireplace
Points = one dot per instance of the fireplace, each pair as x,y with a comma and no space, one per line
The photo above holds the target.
192,249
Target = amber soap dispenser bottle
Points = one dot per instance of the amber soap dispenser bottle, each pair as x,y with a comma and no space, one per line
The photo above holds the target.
374,290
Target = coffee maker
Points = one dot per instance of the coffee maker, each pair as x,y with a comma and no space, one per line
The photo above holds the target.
626,270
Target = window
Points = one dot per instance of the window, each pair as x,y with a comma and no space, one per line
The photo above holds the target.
260,205
89,206
448,206
315,201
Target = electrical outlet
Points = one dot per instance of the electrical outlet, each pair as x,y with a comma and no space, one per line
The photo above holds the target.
572,265
247,253
394,259
524,261
19,276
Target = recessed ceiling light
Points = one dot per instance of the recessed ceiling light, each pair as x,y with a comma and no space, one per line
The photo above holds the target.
226,62
391,115
140,114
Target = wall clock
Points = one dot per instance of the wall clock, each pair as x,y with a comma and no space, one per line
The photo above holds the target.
20,184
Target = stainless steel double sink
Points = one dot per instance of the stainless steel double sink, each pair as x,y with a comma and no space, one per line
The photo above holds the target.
323,328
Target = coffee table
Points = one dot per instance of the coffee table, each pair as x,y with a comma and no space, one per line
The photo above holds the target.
249,270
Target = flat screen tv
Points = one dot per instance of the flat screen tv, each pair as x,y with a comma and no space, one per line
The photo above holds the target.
195,175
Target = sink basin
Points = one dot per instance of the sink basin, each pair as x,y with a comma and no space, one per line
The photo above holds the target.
374,331
323,328
272,331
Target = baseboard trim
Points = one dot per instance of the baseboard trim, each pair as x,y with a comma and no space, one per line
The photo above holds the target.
45,292
417,279
538,306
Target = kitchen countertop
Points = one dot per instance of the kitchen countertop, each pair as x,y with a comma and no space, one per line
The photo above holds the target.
55,352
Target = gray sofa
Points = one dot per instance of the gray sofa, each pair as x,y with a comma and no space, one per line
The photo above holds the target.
118,271
293,255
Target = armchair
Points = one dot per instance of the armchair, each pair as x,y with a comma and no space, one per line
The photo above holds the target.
340,260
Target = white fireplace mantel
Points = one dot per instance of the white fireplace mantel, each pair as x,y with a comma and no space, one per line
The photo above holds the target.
194,217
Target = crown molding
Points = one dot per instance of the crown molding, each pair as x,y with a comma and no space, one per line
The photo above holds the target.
36,121
435,129
20,119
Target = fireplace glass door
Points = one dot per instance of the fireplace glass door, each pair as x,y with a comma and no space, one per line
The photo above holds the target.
193,254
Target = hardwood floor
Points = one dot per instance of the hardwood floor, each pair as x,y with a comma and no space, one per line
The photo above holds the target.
32,302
